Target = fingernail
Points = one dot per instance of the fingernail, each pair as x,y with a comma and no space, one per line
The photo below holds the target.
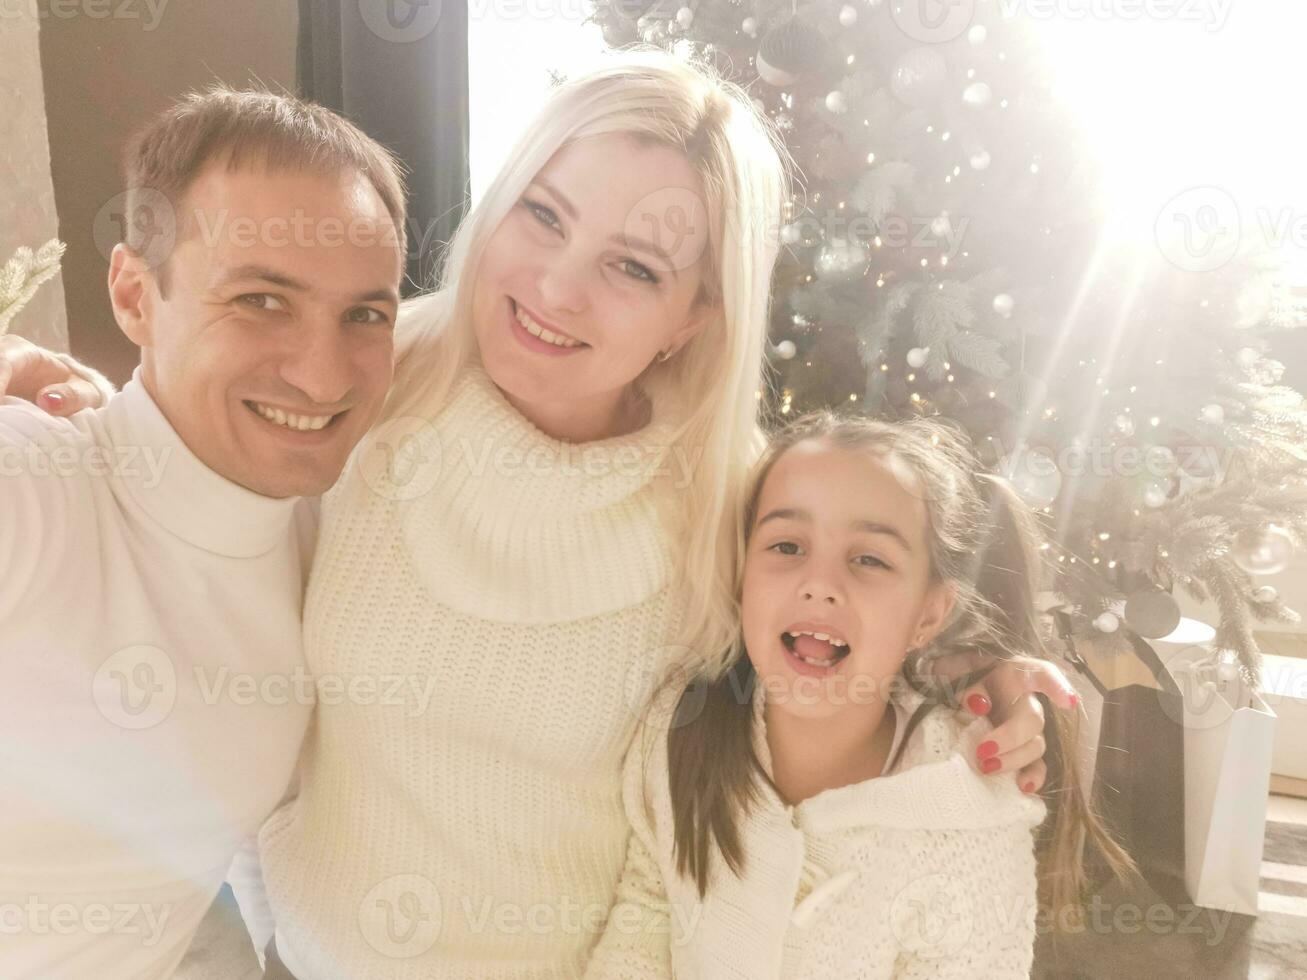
1027,787
979,704
987,749
53,399
991,765
1075,700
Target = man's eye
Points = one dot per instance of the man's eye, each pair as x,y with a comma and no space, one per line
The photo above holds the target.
262,301
782,545
545,216
366,314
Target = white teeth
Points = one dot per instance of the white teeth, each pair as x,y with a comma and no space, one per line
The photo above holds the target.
301,423
825,637
816,663
535,330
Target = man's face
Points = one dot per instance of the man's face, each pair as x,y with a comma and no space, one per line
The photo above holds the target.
272,352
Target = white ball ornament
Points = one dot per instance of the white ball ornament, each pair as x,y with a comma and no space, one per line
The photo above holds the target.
750,26
1107,623
917,357
786,350
837,103
848,15
1004,304
1265,593
685,17
977,35
980,160
1213,414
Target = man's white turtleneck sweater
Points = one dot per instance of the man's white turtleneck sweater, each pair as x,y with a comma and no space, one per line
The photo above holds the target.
152,692
524,582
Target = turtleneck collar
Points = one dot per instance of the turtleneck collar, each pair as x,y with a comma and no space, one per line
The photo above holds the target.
170,484
520,527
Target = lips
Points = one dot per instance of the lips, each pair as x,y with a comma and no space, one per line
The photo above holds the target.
542,329
816,644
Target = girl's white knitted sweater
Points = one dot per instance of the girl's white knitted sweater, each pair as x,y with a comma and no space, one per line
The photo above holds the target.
487,610
928,872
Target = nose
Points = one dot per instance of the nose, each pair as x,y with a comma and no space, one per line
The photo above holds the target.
319,363
561,284
822,587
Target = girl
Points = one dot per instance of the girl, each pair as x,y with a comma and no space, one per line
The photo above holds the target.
808,811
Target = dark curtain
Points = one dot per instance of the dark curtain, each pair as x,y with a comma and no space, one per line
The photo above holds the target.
398,70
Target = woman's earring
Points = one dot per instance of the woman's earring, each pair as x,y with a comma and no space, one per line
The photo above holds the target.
663,355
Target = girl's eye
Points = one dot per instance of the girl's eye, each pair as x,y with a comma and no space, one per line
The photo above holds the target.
367,315
637,270
782,545
871,561
545,216
261,301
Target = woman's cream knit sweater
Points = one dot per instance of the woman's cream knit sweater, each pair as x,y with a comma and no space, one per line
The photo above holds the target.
487,611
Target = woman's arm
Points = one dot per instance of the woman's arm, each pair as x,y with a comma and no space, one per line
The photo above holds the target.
637,938
1007,696
54,381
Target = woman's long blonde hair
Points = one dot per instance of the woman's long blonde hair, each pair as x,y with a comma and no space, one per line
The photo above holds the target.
713,380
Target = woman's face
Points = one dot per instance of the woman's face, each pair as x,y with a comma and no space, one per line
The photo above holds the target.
595,270
838,548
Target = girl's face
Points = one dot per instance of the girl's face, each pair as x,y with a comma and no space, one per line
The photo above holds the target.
594,271
838,549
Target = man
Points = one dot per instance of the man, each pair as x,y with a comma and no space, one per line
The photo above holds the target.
152,690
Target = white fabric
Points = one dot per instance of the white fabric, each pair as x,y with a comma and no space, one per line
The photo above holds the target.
149,644
927,872
511,593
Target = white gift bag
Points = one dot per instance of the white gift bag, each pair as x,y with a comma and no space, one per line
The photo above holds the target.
1229,734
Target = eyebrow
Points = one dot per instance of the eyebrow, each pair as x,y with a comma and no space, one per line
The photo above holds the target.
266,274
627,241
871,527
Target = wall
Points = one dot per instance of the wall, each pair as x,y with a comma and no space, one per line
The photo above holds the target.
27,199
109,66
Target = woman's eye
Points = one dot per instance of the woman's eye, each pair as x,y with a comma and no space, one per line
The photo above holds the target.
366,314
780,546
545,216
870,561
262,301
637,270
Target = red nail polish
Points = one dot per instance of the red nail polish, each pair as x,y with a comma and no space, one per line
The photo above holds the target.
987,749
1027,787
1075,700
979,704
991,765
53,399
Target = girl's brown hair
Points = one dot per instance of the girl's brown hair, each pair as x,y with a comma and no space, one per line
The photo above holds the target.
985,542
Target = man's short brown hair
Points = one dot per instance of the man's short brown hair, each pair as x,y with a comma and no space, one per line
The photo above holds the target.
245,128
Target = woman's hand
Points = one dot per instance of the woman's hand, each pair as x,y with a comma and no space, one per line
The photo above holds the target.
48,379
1007,696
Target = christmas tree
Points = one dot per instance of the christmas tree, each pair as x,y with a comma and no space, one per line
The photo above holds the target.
943,255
